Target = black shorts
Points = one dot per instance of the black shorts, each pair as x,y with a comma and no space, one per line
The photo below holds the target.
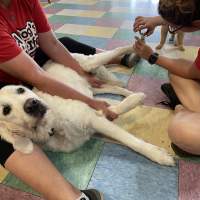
6,149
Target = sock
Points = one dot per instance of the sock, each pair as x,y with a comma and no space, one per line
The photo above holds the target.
83,197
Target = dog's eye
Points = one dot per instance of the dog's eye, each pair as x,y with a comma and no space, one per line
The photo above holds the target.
20,90
6,109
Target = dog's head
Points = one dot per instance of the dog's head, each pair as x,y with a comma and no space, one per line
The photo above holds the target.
21,106
21,113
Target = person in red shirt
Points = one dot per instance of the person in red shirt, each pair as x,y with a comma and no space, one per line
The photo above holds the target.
26,43
184,75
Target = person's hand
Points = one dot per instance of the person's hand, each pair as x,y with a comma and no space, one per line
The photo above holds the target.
94,82
142,49
148,23
103,106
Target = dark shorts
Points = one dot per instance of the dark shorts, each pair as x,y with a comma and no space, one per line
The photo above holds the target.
6,149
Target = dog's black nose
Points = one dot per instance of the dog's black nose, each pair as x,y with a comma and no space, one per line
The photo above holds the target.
34,107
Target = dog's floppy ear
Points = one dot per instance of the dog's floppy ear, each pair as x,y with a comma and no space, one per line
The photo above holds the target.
22,144
11,133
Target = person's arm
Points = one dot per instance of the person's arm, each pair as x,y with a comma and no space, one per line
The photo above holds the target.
26,69
179,67
36,174
57,52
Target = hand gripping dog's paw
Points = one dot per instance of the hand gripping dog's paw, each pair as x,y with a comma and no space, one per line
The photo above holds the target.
161,156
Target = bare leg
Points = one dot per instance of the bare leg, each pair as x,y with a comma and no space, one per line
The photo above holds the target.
37,171
184,130
188,92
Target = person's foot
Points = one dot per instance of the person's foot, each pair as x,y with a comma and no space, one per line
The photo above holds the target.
130,60
92,194
170,93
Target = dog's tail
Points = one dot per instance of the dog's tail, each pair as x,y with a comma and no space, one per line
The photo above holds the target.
109,129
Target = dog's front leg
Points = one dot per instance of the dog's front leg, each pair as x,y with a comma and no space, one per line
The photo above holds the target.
111,130
128,103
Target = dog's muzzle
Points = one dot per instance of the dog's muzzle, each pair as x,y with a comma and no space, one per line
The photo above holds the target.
34,107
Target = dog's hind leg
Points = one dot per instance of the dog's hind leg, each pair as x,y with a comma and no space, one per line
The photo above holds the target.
111,130
94,61
179,40
107,76
163,35
111,89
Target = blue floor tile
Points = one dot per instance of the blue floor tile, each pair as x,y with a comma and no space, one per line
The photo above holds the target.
122,174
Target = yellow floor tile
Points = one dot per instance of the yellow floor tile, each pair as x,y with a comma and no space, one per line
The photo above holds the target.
99,31
119,9
81,2
148,123
81,13
73,29
3,173
96,31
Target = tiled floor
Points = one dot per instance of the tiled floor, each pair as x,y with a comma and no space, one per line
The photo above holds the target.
118,172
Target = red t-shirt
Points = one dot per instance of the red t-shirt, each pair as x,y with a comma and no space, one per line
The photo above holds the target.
197,61
20,24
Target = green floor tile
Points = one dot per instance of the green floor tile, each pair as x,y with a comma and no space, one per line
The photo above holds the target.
144,68
60,19
75,37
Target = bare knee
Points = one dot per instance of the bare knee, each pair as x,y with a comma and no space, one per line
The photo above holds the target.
184,131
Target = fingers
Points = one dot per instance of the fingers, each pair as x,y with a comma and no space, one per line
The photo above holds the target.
111,115
139,44
139,24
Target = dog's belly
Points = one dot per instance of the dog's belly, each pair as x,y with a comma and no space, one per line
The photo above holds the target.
69,77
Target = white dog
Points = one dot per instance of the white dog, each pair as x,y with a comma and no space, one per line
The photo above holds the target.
64,124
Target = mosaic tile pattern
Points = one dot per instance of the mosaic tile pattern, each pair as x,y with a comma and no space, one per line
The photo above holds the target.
119,172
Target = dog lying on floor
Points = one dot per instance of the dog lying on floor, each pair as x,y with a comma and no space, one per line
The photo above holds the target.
63,124
179,36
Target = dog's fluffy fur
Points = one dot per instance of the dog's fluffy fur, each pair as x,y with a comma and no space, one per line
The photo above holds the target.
179,37
64,124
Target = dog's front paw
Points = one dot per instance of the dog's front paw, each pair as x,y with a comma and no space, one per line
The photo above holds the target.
161,156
